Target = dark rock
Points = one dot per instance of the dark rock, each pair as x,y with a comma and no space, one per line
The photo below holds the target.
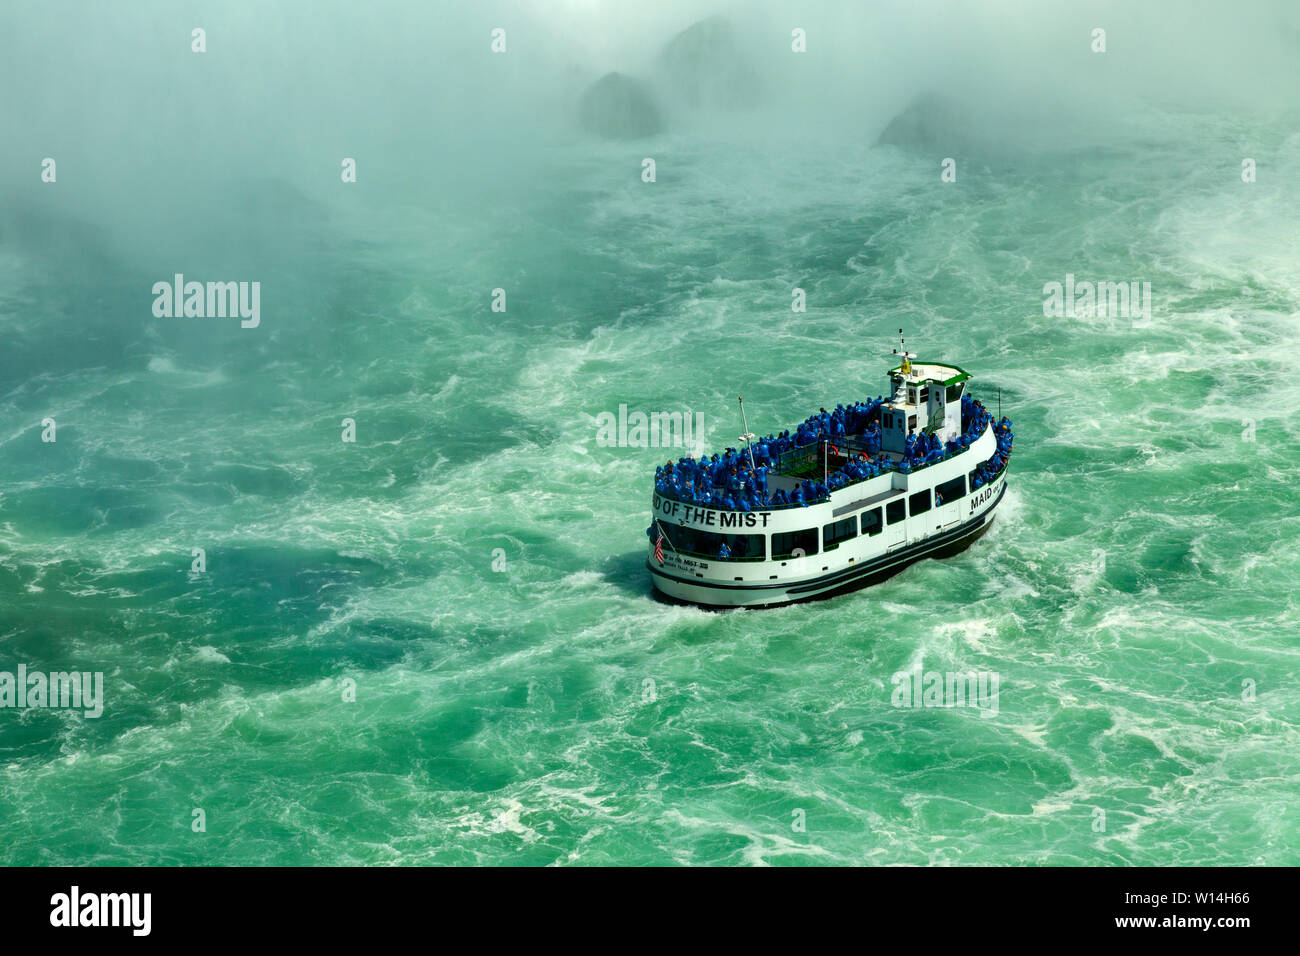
931,123
619,107
707,67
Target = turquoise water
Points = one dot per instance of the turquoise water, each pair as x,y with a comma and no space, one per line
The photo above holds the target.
474,562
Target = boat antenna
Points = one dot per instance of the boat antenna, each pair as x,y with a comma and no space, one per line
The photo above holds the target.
905,369
747,437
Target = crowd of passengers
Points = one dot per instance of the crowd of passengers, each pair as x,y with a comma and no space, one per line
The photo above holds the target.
729,482
989,470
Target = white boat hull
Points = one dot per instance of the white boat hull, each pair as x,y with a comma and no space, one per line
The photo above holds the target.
940,531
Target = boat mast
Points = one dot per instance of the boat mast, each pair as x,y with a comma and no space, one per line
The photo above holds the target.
900,397
747,437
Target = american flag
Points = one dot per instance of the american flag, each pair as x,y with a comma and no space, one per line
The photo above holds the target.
659,548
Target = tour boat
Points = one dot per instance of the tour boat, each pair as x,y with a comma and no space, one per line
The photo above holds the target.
854,495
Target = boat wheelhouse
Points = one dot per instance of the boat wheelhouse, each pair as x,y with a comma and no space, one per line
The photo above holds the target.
854,495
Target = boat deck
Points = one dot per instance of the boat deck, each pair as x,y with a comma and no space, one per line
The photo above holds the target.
806,463
808,473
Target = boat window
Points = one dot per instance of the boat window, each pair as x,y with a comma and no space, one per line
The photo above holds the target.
708,544
954,393
895,511
911,396
911,423
925,395
919,503
833,534
785,543
950,491
871,521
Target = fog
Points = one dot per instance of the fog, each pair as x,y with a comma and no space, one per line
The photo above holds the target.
147,133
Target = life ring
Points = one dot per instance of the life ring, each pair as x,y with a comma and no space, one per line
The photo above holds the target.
833,449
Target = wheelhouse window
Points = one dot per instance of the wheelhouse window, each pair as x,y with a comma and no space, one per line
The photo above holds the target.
709,544
834,533
954,394
871,521
896,511
785,543
919,503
